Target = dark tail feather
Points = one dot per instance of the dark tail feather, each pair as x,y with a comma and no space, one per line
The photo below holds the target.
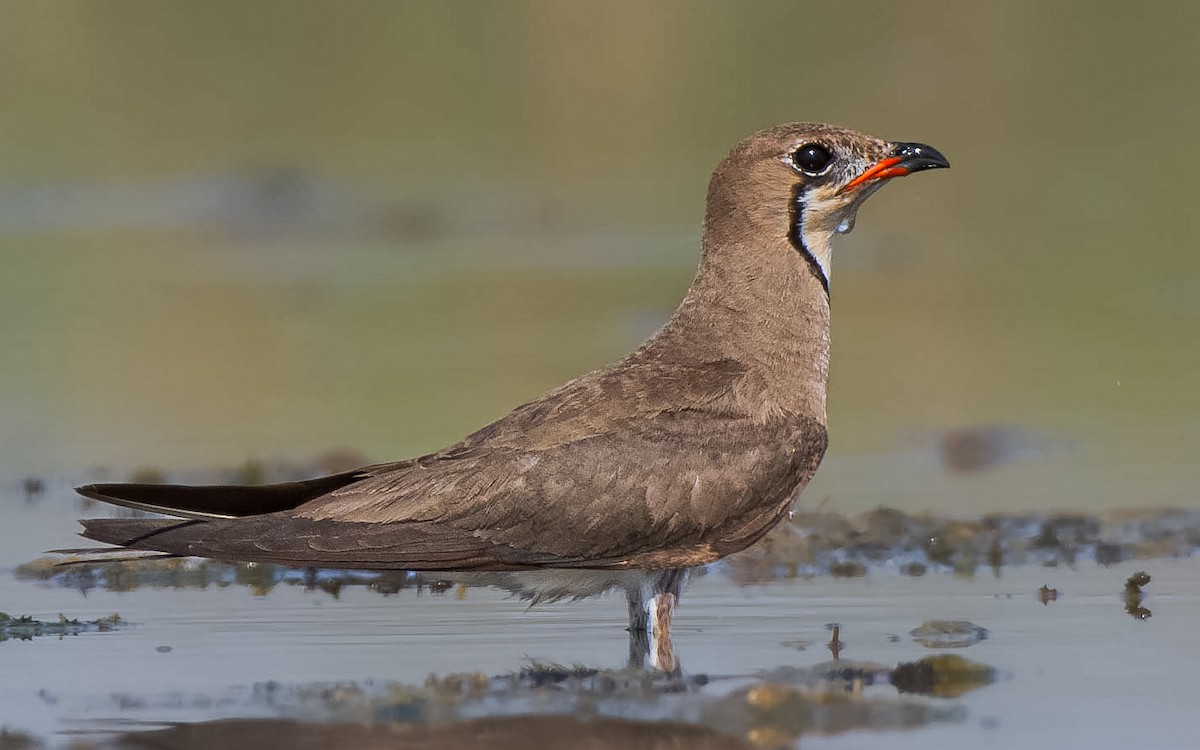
133,534
102,555
91,551
132,537
216,501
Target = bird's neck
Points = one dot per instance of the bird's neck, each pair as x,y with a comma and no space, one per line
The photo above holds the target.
764,307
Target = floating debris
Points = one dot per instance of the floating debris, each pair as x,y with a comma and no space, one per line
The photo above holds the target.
819,542
33,486
948,634
1133,595
836,644
942,676
1137,580
780,715
784,705
194,573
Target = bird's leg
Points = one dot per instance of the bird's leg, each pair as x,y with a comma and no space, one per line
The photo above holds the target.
664,650
639,614
651,603
639,627
662,608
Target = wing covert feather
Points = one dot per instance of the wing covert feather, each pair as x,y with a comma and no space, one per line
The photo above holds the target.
646,466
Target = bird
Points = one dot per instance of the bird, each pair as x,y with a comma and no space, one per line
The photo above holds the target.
688,449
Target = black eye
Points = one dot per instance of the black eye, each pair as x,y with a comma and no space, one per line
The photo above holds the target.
812,158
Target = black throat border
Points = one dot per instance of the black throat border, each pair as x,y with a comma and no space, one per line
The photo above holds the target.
796,237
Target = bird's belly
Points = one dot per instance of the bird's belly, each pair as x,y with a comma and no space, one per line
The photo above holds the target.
733,534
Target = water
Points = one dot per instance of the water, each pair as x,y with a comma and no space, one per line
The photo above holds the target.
754,659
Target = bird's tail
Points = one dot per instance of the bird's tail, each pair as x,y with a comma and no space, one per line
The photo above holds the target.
131,537
216,501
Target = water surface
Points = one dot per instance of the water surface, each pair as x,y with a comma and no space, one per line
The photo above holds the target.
755,662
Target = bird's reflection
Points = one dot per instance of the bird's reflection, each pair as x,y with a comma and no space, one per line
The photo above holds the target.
572,706
650,597
496,733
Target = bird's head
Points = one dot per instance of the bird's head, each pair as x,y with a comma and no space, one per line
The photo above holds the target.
805,181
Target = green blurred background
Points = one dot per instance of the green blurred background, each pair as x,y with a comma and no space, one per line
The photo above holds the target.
266,230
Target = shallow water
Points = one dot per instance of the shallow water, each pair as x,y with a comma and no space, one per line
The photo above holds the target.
755,660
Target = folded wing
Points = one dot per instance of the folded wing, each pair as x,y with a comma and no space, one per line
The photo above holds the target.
598,473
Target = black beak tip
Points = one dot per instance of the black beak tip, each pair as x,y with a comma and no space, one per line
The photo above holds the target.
918,156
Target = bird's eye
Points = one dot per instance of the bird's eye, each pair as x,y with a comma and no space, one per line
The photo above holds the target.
812,159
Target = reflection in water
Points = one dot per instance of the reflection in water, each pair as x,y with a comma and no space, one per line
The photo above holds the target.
498,733
819,542
651,596
1133,596
948,634
942,676
24,628
775,707
811,543
574,707
836,644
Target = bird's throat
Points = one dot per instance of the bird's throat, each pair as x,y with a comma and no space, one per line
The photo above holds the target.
816,253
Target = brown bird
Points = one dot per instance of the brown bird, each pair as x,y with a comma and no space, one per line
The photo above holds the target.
688,449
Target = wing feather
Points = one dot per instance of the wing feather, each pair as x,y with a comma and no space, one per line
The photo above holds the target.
635,465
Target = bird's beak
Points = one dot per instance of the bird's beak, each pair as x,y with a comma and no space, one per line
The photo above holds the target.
906,158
